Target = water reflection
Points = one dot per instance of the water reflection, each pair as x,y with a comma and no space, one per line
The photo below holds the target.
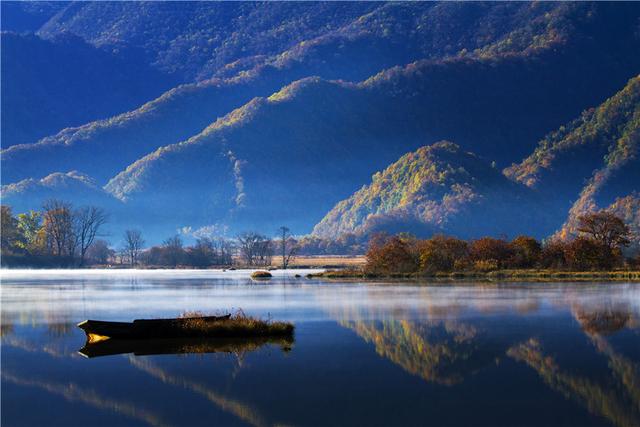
75,393
149,347
361,350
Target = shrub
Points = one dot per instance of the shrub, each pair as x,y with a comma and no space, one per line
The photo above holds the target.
553,255
526,252
486,265
440,253
490,249
261,275
587,254
387,255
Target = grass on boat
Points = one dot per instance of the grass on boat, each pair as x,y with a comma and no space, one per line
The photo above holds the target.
238,325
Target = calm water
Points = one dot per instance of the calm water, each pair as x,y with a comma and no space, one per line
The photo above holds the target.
364,354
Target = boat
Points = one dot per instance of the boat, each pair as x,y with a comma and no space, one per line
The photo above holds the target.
100,330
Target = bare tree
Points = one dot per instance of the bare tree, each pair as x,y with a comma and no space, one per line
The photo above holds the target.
87,221
173,252
133,243
58,223
288,246
100,252
255,249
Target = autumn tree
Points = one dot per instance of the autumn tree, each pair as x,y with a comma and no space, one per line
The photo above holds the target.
605,228
588,254
9,230
526,252
396,254
488,249
33,236
58,222
440,253
133,243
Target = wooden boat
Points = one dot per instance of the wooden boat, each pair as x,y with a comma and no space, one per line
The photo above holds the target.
99,330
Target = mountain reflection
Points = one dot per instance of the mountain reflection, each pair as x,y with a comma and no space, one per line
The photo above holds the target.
241,410
618,398
437,351
75,393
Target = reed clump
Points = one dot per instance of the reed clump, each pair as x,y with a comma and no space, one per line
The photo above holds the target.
261,275
238,325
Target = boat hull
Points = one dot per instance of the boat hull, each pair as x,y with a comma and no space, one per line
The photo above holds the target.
100,330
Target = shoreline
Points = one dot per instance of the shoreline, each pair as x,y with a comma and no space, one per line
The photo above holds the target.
492,276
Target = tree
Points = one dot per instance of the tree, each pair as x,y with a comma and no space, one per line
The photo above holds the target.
526,252
388,255
9,230
100,252
255,249
32,232
173,252
605,228
588,254
88,221
440,253
490,249
59,227
133,243
288,246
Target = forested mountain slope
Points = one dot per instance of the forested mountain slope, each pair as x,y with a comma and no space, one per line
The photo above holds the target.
589,164
595,67
51,84
326,95
437,189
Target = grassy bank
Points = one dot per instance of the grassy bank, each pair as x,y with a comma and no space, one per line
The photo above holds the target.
498,275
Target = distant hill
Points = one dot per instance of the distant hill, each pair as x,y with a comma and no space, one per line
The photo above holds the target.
52,84
30,194
591,162
28,16
437,189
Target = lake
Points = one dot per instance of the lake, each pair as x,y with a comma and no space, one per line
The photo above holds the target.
375,354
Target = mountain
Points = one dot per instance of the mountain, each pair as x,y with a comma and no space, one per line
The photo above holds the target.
48,85
594,67
592,162
196,39
28,16
281,128
30,194
437,189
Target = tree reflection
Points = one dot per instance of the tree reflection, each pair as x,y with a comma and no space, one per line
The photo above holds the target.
618,402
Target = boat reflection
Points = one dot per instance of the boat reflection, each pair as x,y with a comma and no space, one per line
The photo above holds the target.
149,347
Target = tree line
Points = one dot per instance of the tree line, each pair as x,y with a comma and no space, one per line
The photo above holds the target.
63,236
599,245
59,235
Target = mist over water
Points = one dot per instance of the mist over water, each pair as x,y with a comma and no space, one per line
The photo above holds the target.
385,353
